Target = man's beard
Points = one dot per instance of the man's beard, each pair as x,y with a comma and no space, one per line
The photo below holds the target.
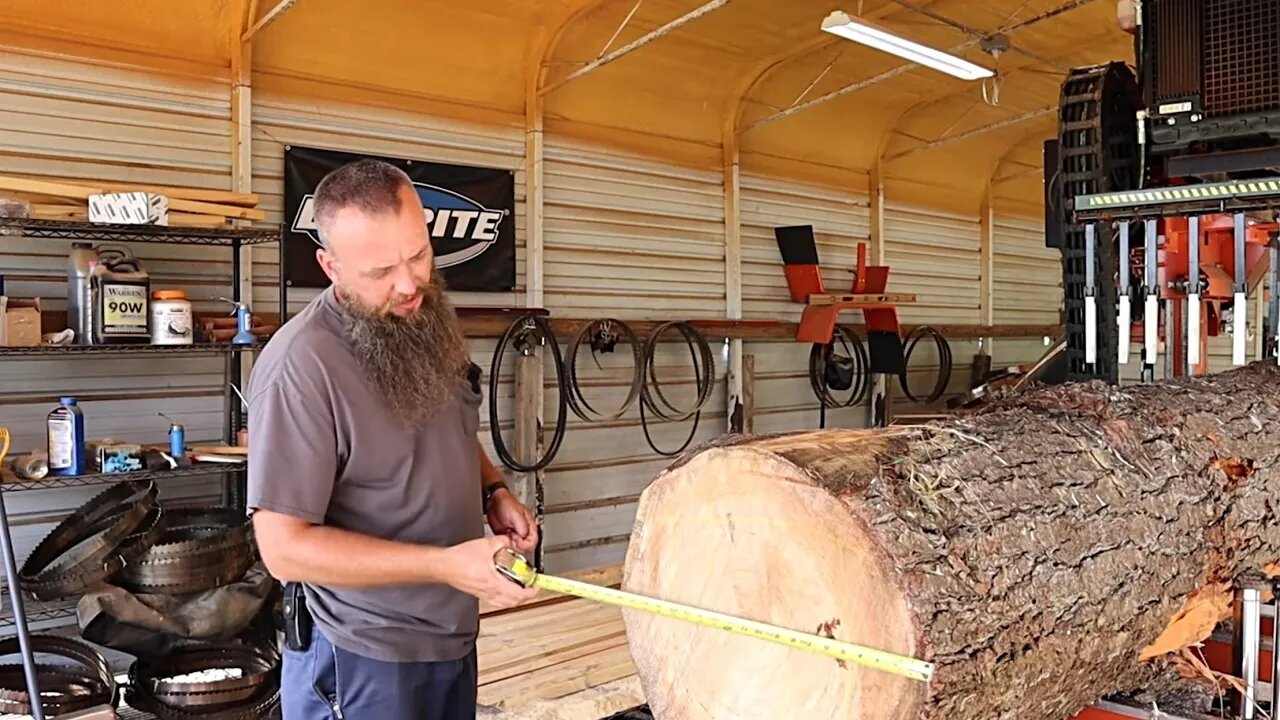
415,362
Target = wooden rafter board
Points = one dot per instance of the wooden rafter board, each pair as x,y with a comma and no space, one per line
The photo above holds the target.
554,648
188,207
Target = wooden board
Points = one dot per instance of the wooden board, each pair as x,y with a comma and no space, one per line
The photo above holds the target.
82,192
551,648
862,299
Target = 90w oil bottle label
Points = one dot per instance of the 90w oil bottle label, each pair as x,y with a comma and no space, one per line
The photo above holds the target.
124,309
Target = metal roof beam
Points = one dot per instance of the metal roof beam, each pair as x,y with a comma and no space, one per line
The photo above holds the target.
975,131
1004,77
1017,175
894,72
637,43
272,15
976,33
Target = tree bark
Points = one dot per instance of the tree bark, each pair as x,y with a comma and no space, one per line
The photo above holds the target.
1034,552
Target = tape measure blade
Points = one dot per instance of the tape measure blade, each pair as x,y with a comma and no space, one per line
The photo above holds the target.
879,659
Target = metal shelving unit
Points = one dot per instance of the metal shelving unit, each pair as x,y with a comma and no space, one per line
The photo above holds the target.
92,479
35,611
170,235
81,350
16,615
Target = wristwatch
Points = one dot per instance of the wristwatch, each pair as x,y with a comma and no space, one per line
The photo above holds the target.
488,492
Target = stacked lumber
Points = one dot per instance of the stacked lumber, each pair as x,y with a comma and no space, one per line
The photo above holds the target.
188,207
551,648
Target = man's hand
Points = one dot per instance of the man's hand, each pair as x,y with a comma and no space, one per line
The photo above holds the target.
507,516
472,571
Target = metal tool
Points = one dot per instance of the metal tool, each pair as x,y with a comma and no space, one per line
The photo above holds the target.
520,571
177,438
1239,310
1275,645
1151,313
1273,309
15,596
1125,315
244,323
1193,294
1090,295
1246,646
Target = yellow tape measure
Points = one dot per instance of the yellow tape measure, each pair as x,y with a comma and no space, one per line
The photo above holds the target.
520,571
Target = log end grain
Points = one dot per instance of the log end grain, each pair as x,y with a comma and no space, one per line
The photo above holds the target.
746,532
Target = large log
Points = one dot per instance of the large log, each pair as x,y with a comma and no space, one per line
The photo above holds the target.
1035,552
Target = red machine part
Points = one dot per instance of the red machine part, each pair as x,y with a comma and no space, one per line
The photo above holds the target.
1217,267
1217,254
818,320
1217,654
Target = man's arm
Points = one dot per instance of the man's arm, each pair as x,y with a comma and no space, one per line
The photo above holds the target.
507,515
294,549
489,474
293,465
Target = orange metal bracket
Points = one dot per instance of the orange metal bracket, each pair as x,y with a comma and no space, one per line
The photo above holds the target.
867,293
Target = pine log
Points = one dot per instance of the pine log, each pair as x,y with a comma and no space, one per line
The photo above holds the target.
1034,551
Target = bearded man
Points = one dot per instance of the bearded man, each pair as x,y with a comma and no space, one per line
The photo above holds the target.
368,486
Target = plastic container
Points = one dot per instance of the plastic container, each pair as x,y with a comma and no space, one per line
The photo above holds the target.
80,264
177,441
66,439
171,319
121,297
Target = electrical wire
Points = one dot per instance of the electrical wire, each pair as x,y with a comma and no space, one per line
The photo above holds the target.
603,336
526,333
655,401
945,363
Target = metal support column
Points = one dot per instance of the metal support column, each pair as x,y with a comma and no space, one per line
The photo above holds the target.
19,614
1246,646
1273,307
1275,649
236,483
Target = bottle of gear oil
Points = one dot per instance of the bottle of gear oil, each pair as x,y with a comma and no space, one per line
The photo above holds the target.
121,292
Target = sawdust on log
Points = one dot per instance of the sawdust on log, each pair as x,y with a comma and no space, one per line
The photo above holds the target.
1201,612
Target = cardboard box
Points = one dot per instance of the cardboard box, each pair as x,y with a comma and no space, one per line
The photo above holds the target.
119,457
129,208
20,322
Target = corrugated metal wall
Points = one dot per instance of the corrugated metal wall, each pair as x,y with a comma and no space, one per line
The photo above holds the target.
631,239
625,237
1027,287
937,256
783,397
72,120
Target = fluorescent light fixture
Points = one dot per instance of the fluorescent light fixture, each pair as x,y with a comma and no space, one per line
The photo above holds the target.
839,23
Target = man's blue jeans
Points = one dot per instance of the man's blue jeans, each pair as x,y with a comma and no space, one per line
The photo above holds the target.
326,682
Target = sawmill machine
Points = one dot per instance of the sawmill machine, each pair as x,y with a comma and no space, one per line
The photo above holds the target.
1161,189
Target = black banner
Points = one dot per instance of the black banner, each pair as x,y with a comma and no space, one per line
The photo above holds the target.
470,212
